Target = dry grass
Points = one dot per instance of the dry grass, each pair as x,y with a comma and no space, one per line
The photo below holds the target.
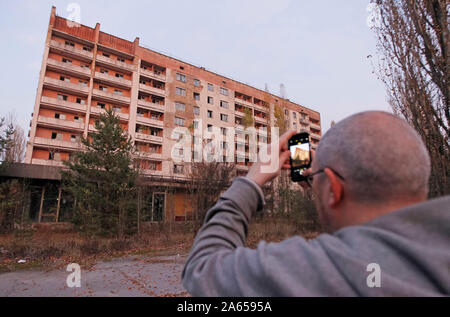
48,249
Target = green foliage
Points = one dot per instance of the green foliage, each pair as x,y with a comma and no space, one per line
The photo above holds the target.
102,181
280,119
248,120
6,134
12,200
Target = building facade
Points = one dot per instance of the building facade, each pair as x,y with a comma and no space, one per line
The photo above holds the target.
85,71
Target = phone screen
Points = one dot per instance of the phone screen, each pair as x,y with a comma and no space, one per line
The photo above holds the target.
300,155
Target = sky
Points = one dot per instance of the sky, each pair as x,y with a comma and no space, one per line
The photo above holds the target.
317,49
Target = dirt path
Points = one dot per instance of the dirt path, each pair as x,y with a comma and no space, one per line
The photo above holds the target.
127,276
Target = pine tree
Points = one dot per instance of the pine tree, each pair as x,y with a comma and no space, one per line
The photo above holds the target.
102,178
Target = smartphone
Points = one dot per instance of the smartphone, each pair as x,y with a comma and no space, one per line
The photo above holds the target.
300,148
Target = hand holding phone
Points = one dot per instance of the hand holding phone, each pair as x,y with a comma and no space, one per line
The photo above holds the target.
300,159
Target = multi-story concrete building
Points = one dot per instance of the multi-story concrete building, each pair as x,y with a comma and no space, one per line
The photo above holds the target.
85,71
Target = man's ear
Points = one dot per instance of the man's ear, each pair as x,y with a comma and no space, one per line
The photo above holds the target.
336,188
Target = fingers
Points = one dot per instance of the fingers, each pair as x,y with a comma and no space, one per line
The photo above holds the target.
284,139
284,160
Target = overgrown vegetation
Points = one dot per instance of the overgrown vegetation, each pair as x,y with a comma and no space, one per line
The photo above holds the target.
414,48
101,180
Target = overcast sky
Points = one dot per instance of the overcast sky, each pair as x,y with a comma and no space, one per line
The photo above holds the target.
317,49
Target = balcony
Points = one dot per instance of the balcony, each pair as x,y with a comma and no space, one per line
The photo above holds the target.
59,123
149,155
245,103
69,68
114,80
152,90
149,121
148,137
111,96
150,105
47,162
98,111
63,105
114,63
260,119
70,50
315,136
151,74
315,126
66,86
53,143
304,120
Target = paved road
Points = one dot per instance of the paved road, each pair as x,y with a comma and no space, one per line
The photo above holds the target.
127,276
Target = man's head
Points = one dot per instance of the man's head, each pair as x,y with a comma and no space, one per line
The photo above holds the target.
373,163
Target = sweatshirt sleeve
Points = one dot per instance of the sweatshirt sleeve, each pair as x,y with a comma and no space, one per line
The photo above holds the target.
220,265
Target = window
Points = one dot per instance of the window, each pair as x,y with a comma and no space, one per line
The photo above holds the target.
180,106
62,97
196,83
210,87
178,169
210,127
101,105
70,43
295,125
181,77
103,88
120,59
74,138
224,91
181,92
65,60
103,71
88,49
286,112
81,101
211,100
117,109
63,78
224,104
118,92
118,75
85,66
195,124
224,131
196,96
51,156
83,83
106,55
223,145
196,111
179,122
210,114
224,117
294,114
57,136
56,115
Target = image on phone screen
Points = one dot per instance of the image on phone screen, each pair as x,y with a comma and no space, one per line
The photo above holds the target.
300,154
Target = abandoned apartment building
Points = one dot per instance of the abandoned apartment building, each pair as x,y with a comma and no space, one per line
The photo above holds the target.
85,71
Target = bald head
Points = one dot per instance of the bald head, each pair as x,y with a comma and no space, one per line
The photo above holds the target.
380,156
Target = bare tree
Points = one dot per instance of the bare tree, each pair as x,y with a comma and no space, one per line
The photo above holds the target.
15,150
206,182
414,47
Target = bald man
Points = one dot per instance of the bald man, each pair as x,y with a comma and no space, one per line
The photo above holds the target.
383,238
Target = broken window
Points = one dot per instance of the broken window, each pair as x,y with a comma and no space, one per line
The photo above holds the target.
211,100
181,77
181,92
180,106
179,122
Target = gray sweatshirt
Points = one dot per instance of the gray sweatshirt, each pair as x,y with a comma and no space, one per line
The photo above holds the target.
411,247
